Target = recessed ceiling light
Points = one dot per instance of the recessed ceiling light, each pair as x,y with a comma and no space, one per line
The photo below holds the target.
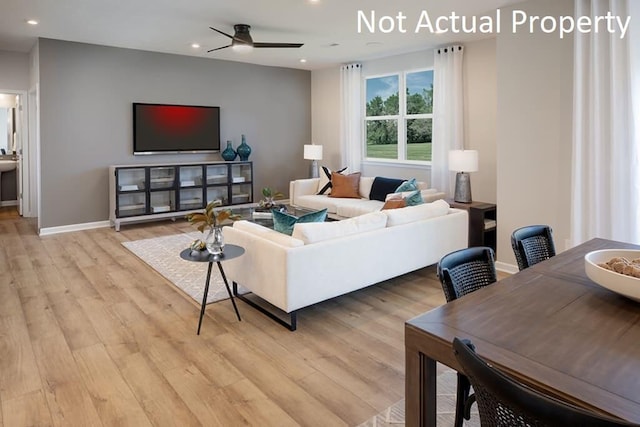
195,46
303,60
314,1
32,22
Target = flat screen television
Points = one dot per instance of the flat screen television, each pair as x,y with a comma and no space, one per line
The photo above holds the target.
165,128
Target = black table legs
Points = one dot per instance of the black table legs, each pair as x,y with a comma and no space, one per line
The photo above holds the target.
206,292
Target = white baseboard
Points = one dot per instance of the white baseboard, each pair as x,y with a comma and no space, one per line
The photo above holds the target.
73,227
507,268
9,203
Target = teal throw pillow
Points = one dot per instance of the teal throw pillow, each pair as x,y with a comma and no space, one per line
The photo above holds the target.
283,222
414,199
410,185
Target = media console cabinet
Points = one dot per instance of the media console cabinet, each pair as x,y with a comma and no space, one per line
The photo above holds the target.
159,191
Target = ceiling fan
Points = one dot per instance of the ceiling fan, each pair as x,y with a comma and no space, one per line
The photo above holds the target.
242,40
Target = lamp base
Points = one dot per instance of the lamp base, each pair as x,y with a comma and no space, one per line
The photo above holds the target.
463,188
314,169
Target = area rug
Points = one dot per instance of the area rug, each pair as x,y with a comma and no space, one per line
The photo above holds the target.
163,255
393,416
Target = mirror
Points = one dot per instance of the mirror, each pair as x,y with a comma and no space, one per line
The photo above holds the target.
7,123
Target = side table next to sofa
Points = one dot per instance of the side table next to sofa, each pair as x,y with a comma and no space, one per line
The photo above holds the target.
230,252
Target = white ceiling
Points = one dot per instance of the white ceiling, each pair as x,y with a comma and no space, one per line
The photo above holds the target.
171,26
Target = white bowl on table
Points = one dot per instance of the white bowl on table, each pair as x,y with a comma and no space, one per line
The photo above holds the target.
622,284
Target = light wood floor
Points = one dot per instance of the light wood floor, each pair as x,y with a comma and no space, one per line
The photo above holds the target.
89,335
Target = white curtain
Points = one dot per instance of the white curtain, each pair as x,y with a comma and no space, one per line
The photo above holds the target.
351,117
606,172
448,114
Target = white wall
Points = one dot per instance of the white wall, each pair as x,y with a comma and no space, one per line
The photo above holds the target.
325,113
535,104
480,109
480,112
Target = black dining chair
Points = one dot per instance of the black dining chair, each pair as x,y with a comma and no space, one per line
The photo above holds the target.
532,244
462,272
502,401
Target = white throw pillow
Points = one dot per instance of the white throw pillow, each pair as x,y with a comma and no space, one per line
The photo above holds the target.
320,231
267,233
416,213
365,186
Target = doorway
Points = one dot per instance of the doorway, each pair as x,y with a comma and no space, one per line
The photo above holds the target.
16,145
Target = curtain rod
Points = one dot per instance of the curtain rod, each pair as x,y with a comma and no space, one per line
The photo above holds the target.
446,49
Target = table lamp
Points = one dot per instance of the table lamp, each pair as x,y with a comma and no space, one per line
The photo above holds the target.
314,153
463,162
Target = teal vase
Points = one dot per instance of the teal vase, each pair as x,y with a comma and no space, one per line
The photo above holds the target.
244,150
229,154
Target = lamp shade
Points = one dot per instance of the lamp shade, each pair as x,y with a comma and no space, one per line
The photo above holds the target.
313,152
463,160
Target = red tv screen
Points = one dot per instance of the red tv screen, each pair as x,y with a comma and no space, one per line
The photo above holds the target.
163,128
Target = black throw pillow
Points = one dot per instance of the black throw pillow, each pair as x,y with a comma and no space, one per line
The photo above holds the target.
327,172
383,186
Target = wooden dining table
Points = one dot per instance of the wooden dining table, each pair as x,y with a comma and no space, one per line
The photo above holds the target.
549,326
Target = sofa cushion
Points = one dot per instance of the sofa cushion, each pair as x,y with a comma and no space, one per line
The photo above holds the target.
348,208
317,202
383,186
410,185
318,232
403,194
283,222
325,180
416,213
267,233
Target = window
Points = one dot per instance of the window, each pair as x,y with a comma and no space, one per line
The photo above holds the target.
399,117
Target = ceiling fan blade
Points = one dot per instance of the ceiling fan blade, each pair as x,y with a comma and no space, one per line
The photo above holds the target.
256,44
218,48
221,32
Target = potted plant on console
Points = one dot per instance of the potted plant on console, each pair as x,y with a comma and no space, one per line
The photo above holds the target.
212,220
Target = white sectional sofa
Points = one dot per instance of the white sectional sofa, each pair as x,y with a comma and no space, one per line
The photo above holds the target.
303,193
324,260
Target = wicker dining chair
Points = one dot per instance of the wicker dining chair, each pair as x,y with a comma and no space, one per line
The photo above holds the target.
502,401
532,244
462,272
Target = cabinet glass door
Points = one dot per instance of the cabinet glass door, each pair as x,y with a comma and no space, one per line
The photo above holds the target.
217,174
241,193
162,177
219,193
190,198
131,204
162,201
190,176
130,179
241,173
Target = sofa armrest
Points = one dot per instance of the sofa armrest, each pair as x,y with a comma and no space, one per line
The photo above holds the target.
302,187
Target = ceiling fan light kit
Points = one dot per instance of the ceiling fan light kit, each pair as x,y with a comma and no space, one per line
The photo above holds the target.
241,40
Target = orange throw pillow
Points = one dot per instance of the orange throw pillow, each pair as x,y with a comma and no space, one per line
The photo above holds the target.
394,204
345,186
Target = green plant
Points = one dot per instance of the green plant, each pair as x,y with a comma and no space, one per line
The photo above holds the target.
270,196
210,217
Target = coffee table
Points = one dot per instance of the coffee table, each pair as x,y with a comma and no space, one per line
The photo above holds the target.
247,213
230,252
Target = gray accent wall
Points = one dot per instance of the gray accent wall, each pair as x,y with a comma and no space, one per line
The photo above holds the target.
86,96
14,71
